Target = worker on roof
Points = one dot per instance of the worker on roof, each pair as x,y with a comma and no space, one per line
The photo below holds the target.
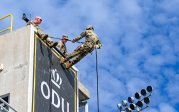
36,22
62,45
91,42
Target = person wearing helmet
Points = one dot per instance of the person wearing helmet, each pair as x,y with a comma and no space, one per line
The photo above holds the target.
89,27
36,22
62,44
91,42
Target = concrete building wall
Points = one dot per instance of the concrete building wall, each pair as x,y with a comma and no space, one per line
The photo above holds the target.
16,54
17,57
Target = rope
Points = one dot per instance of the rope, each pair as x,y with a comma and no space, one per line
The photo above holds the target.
67,40
55,38
97,79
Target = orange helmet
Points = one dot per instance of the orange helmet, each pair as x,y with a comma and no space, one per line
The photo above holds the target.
38,17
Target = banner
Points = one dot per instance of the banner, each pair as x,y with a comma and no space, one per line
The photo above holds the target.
54,85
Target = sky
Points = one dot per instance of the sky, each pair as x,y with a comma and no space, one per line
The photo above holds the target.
140,45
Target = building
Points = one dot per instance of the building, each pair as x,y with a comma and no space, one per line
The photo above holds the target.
33,80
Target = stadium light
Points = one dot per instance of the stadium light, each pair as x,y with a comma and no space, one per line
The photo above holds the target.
119,106
127,109
149,89
147,100
137,104
124,103
132,106
137,95
143,92
130,99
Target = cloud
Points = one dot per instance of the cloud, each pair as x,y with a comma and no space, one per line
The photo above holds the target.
153,110
140,45
172,89
164,107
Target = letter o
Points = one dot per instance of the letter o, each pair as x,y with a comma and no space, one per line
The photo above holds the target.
42,90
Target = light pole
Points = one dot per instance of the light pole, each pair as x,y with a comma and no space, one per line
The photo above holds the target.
137,104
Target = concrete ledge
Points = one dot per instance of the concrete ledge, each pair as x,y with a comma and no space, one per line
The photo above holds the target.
83,92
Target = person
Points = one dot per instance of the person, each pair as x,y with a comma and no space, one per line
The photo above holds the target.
62,45
91,42
36,22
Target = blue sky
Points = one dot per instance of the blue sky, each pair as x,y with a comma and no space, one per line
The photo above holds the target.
140,45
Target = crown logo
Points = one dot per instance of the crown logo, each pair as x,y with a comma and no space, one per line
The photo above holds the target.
55,78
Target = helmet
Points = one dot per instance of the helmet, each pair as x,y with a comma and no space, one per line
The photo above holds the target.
64,37
89,27
38,17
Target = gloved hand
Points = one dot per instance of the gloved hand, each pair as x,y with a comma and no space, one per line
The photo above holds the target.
24,16
96,46
73,41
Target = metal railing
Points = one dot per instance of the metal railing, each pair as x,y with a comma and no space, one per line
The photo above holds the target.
4,103
11,22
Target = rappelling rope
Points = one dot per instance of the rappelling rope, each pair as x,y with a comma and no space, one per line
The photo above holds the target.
67,39
97,79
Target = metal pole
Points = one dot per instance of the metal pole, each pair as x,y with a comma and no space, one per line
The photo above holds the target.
11,22
2,108
7,104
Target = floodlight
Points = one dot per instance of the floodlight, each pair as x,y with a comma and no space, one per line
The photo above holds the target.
149,89
147,100
132,106
139,104
128,109
137,95
124,103
137,109
131,99
119,106
143,92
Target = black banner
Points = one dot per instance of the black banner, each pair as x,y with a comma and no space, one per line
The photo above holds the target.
55,86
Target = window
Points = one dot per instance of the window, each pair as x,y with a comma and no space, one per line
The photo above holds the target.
3,105
83,106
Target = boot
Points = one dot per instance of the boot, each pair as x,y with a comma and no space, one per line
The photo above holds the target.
50,43
62,60
44,36
68,64
38,34
53,44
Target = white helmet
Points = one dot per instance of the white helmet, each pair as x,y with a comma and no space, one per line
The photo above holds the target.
89,27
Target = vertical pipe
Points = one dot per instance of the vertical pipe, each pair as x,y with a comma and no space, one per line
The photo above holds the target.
11,22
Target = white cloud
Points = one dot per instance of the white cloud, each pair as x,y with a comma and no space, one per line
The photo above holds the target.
164,107
140,44
170,7
135,85
173,89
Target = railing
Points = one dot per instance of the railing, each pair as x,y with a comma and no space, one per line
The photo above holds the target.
4,103
10,27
